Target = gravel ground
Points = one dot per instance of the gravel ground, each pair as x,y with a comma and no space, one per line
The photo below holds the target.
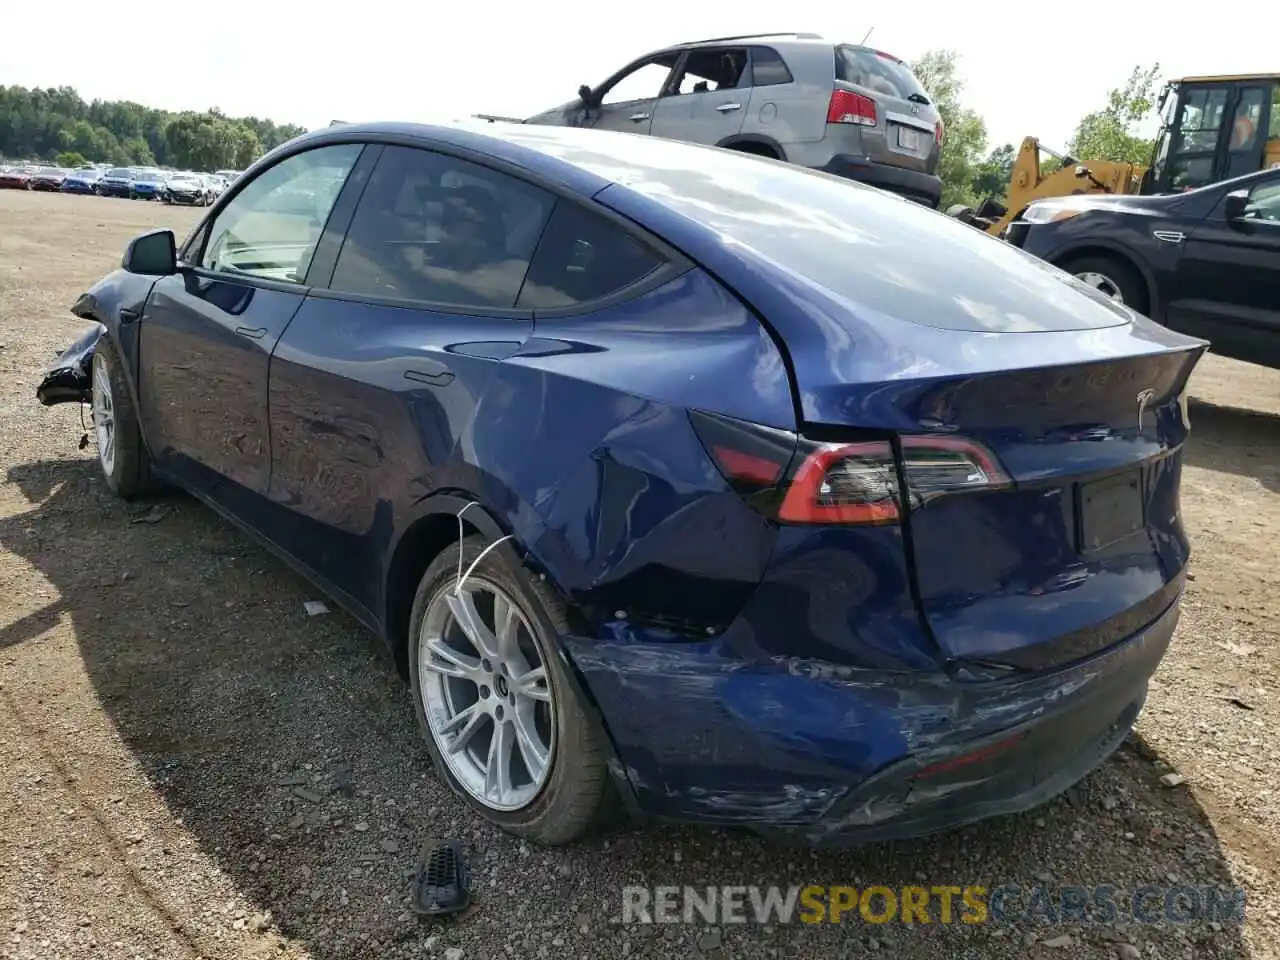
192,767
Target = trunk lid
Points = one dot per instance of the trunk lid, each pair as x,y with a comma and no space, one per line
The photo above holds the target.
1085,544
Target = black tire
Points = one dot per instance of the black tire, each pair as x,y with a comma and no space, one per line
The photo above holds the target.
577,797
129,474
1122,276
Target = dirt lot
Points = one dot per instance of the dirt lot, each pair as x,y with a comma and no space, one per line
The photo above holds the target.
161,691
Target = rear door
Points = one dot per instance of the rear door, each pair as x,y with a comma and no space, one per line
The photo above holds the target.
207,332
903,130
707,97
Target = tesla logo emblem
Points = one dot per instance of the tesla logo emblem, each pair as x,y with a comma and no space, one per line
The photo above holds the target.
915,109
1145,397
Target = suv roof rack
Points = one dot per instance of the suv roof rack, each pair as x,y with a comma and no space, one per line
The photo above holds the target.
754,36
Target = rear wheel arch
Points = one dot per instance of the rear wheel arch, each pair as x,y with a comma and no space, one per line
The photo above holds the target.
433,532
755,144
1128,267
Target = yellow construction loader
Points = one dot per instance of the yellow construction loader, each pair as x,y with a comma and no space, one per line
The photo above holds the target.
1211,129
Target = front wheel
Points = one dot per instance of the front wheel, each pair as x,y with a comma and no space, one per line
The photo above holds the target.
1111,277
502,719
121,453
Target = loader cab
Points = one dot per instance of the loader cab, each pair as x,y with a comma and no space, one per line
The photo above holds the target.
1212,129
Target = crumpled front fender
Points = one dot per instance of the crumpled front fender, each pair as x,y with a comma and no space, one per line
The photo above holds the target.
68,379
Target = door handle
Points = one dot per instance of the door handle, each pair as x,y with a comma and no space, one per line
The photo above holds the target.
128,316
1169,236
435,375
639,117
253,333
729,107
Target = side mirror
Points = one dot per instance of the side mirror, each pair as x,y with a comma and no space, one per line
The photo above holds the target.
1234,204
154,253
587,96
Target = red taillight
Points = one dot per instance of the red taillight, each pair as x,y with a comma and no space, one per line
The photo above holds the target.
801,481
846,107
844,483
939,132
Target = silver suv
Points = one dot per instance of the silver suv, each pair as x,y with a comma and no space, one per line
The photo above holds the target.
838,107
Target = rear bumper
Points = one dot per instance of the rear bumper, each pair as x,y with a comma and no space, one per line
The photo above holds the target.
822,754
924,188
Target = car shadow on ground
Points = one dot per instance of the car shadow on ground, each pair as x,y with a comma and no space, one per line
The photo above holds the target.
287,747
1235,439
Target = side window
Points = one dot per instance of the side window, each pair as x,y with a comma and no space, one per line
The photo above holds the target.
1264,202
271,228
583,257
706,71
644,82
441,230
768,69
1201,119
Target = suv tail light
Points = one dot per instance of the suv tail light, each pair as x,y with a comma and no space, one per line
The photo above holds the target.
795,480
939,132
846,107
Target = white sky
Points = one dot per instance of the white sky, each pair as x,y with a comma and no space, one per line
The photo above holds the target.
1030,68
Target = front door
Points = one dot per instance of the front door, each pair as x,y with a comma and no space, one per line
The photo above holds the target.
627,100
1227,284
707,98
207,332
378,377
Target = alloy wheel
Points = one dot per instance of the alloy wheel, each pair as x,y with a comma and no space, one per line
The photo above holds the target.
486,695
1102,283
104,419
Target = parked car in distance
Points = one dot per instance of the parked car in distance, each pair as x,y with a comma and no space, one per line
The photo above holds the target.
48,178
116,182
82,180
217,184
229,176
842,108
1205,262
150,185
757,496
188,188
16,178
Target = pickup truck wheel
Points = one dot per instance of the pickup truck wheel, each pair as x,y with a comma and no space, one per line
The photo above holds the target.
1111,277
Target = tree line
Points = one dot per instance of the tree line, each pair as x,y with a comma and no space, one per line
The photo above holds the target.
971,172
57,124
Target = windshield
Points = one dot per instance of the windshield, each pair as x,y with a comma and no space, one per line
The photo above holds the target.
879,72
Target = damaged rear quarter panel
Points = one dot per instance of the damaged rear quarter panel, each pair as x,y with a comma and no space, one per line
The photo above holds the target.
589,455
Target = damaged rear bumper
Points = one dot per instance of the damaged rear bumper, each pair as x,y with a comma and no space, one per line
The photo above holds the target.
820,754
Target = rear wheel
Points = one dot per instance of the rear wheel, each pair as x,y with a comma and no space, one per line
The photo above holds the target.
121,454
1112,277
755,149
501,717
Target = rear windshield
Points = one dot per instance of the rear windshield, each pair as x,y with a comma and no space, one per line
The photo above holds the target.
120,172
879,72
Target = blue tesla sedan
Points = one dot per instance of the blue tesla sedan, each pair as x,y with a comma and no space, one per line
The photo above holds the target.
675,481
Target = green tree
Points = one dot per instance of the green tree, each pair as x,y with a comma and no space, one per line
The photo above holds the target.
69,158
966,132
1109,133
48,122
991,176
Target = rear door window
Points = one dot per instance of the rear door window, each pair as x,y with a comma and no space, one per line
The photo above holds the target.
878,72
441,230
583,257
706,71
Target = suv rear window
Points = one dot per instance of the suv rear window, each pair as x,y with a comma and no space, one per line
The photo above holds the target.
879,72
768,68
